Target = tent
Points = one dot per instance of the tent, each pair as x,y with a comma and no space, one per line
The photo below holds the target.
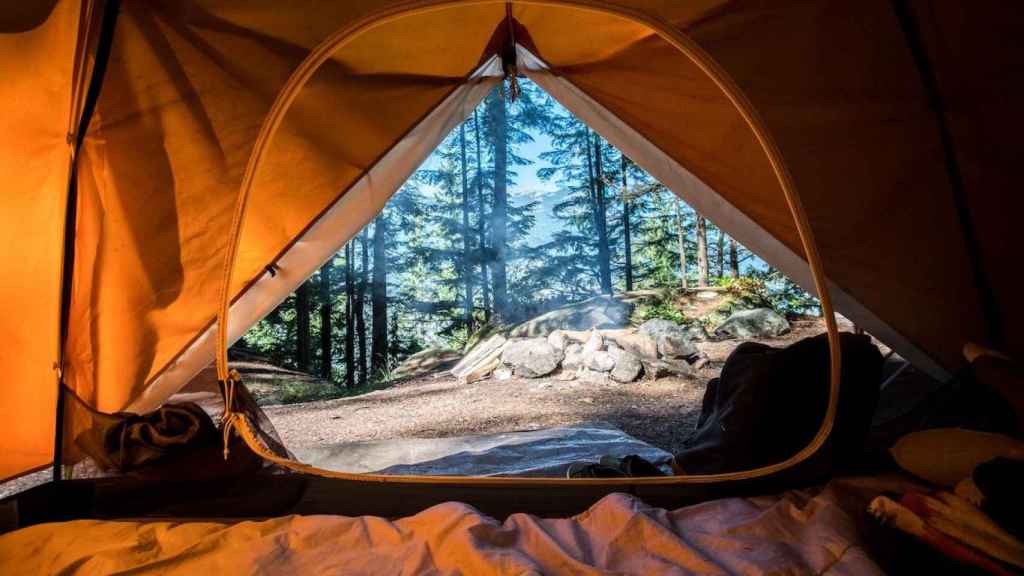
169,162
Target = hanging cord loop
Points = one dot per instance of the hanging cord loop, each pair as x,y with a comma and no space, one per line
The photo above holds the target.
509,59
231,415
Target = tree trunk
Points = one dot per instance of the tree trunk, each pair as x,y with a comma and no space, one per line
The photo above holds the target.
325,321
720,255
467,252
350,347
626,230
681,234
601,217
379,297
302,328
702,251
499,212
361,306
734,260
481,220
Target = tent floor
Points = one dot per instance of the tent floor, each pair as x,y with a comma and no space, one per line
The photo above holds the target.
267,495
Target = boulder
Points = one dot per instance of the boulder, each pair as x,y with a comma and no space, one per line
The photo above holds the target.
638,343
573,359
597,312
598,360
427,361
558,339
482,369
695,332
594,343
502,373
756,323
627,365
671,338
593,376
659,326
481,361
531,357
654,369
675,346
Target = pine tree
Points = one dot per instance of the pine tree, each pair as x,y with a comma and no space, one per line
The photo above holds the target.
734,262
302,327
720,254
627,240
379,296
598,203
360,306
481,222
325,320
350,348
467,252
702,251
681,234
498,123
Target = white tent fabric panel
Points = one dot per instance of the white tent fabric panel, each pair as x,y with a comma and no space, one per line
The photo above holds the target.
354,210
711,205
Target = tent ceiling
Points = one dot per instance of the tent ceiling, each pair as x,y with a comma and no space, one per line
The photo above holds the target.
189,84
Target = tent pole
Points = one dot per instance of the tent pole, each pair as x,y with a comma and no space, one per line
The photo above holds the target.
106,39
915,43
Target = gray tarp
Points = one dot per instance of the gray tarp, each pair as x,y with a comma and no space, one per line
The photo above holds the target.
530,453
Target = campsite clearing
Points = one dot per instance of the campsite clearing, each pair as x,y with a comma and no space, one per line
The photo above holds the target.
661,412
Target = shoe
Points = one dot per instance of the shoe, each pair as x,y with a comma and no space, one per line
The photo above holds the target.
592,470
632,466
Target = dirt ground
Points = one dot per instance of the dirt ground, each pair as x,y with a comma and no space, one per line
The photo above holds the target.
662,412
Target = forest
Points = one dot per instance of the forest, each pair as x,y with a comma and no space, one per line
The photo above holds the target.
464,243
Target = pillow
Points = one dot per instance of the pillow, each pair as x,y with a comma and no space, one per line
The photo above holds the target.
945,456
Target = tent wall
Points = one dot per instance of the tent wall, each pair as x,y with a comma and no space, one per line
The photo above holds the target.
37,62
343,219
974,51
180,109
190,83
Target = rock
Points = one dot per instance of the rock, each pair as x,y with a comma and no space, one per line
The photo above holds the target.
675,346
426,361
671,338
532,357
573,359
695,332
707,295
484,352
597,312
502,373
483,333
598,361
558,339
756,323
593,376
594,343
654,369
659,326
627,365
482,369
638,343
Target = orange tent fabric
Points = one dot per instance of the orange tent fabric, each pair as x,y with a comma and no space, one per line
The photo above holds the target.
190,83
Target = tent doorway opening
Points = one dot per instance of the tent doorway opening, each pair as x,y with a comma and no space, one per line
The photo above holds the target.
502,313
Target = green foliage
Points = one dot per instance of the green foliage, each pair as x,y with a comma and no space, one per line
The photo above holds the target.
664,308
